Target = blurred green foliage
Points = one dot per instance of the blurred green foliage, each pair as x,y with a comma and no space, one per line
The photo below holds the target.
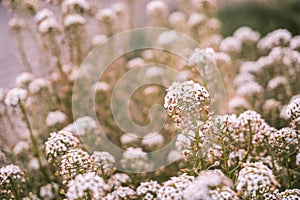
263,17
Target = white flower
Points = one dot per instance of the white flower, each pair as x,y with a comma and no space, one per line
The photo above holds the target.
84,184
249,89
295,42
74,19
82,126
154,72
196,19
183,142
283,113
55,117
293,109
49,24
223,193
15,96
201,56
174,188
254,176
135,159
184,93
167,38
121,193
24,79
37,85
244,78
2,95
156,8
246,35
106,16
118,180
34,164
10,173
285,138
153,139
46,191
42,15
70,5
290,194
148,190
129,138
75,162
177,20
104,161
231,45
135,62
200,187
279,37
16,24
59,143
174,155
101,86
276,82
298,159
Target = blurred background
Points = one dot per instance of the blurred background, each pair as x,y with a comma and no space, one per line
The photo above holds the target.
261,15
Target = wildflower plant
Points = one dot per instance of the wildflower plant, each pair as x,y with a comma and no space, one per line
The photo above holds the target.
101,111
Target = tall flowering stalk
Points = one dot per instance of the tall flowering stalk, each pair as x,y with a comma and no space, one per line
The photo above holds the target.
16,98
187,103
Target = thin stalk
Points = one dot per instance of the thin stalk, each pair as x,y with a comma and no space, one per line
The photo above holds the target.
14,189
34,142
8,118
225,159
78,47
288,171
56,53
250,146
22,53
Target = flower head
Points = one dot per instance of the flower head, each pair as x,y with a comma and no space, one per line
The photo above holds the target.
15,96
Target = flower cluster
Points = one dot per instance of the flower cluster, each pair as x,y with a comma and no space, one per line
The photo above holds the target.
85,185
183,98
59,143
255,176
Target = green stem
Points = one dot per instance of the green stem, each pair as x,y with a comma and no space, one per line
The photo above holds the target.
56,53
22,53
14,189
34,142
78,42
225,159
288,171
250,145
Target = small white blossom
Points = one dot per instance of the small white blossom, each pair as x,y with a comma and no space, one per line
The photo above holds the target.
246,35
174,188
74,19
59,143
231,45
46,191
15,96
37,85
24,79
279,37
69,6
153,139
200,187
84,184
42,15
254,176
55,117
